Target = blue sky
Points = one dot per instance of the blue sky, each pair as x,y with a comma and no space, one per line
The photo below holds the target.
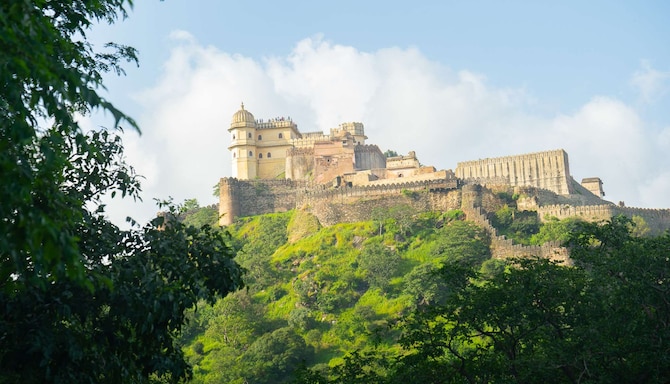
454,81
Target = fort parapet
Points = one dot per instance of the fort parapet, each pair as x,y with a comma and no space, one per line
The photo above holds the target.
549,170
240,198
657,219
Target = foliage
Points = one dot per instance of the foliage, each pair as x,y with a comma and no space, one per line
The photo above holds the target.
425,285
639,226
390,153
379,264
191,213
462,242
602,320
519,226
556,230
82,300
261,237
48,72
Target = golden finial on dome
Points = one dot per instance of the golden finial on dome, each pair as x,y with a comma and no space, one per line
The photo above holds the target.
243,105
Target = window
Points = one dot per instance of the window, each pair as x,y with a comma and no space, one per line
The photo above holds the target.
251,154
249,135
269,155
260,137
281,135
234,155
260,155
233,137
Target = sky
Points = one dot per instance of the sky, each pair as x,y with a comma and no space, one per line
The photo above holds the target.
452,80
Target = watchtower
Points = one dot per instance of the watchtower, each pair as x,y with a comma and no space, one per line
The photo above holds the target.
243,144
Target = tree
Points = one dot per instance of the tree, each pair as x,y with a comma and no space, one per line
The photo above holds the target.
603,319
556,230
640,228
191,213
82,300
273,357
380,264
462,242
390,153
426,285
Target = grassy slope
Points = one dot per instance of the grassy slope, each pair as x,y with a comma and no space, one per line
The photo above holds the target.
310,280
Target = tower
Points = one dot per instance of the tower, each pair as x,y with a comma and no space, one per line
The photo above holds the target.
243,144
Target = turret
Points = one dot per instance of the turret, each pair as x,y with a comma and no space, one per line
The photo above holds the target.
243,144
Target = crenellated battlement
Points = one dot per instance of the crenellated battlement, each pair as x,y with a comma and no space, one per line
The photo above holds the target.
367,148
549,170
657,219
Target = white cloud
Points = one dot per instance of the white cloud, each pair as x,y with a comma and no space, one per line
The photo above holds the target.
406,101
649,82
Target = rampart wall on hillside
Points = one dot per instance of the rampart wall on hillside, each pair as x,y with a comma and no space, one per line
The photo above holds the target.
549,170
256,197
358,203
502,247
331,205
657,219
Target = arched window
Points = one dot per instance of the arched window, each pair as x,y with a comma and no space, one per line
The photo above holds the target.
269,155
281,135
251,154
249,135
260,137
233,136
234,155
260,155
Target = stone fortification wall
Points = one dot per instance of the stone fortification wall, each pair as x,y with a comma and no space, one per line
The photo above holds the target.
352,204
331,205
502,247
396,188
255,197
299,163
657,219
439,175
368,157
549,170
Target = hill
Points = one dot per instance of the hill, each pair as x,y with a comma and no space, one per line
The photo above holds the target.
326,291
378,300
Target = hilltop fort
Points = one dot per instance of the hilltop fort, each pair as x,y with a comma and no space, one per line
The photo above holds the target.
338,177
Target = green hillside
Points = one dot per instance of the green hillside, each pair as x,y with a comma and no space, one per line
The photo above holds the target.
394,300
324,291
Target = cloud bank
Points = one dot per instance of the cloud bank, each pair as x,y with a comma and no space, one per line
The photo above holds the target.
406,101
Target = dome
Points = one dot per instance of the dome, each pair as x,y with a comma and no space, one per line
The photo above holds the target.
243,116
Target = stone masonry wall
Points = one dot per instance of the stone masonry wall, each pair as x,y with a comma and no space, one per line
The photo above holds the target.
368,157
657,219
549,170
335,208
331,205
502,247
256,197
